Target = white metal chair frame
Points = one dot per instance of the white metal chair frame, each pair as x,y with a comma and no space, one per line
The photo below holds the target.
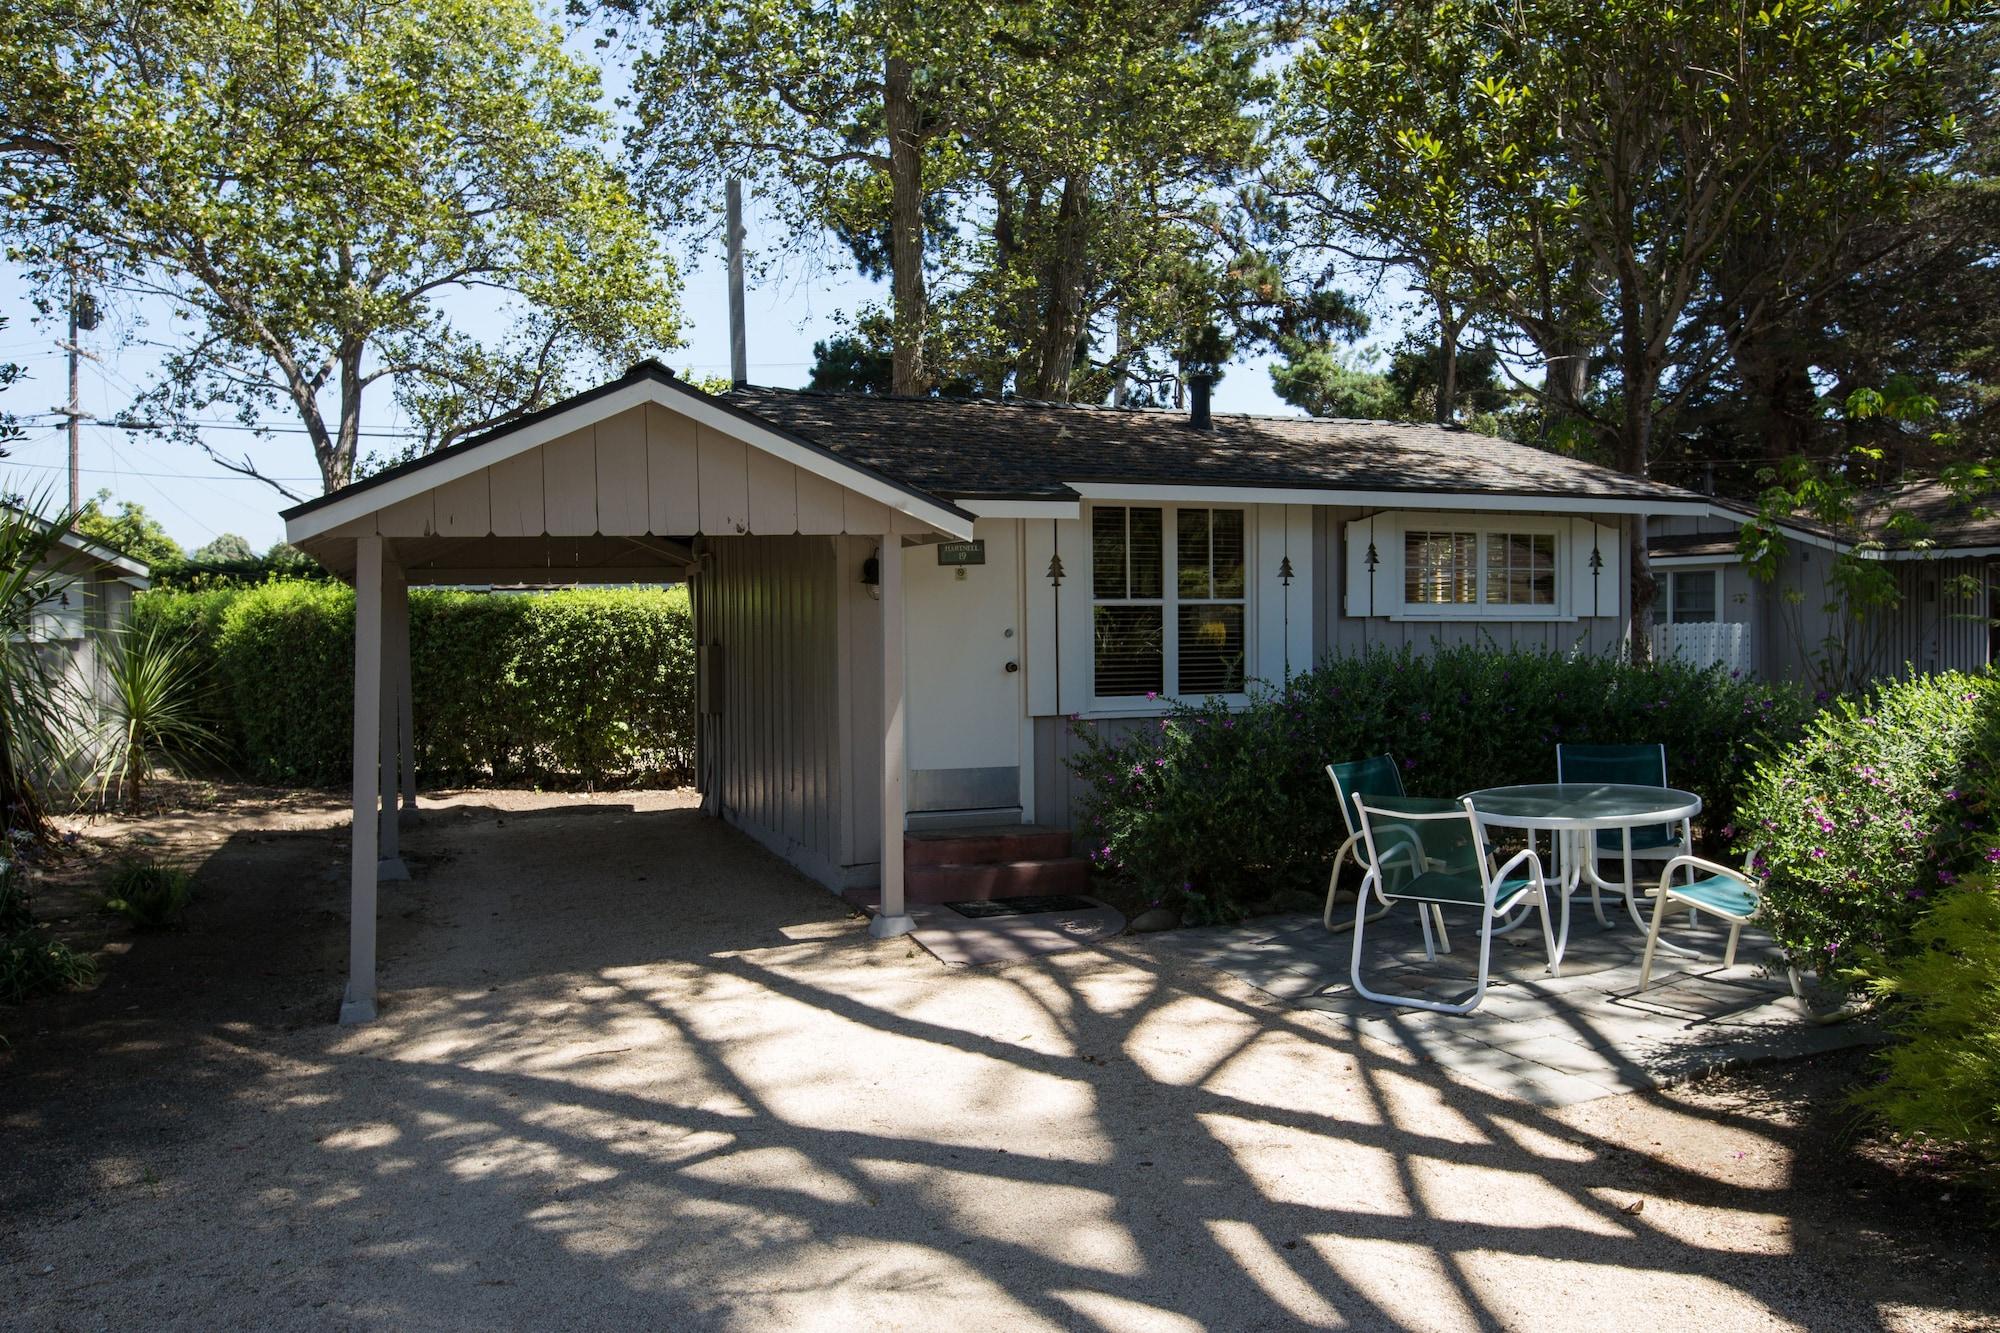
1433,946
1492,881
1667,891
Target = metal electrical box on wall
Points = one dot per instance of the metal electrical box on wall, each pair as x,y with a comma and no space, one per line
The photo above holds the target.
708,679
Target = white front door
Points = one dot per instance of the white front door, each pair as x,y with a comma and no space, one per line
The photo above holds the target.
963,665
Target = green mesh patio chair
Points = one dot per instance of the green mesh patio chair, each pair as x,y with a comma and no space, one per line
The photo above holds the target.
1732,895
1629,766
1370,777
1433,853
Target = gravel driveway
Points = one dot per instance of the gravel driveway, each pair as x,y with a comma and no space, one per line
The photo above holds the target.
634,1072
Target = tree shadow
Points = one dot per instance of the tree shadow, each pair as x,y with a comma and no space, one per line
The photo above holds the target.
633,1068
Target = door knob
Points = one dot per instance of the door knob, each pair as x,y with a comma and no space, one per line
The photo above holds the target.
1013,667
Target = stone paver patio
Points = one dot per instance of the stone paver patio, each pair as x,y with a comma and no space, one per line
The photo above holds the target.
1548,1040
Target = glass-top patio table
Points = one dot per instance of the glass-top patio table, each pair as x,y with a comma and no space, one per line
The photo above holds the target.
1573,813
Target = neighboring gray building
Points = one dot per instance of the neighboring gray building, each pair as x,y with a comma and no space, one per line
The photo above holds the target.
1711,609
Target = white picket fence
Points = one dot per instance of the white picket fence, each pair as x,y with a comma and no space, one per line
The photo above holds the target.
1705,643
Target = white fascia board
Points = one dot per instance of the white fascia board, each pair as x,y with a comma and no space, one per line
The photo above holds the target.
623,399
1940,553
1791,533
1021,508
1482,500
1691,561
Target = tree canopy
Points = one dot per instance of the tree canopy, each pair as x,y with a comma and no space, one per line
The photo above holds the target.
1585,178
327,195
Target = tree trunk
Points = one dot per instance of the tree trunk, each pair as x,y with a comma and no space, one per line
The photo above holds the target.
1634,457
1062,296
1448,330
910,312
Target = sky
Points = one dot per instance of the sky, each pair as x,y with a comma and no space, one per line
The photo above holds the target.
198,500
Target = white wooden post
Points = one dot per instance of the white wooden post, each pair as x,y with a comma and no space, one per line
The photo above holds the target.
395,671
406,743
358,1004
892,918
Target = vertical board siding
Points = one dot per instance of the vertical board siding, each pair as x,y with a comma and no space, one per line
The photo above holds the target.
771,603
644,472
1057,789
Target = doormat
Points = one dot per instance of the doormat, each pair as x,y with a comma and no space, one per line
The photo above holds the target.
1053,902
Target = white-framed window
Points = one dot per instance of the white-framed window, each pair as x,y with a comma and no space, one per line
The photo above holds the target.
1688,596
1459,565
1479,567
1169,601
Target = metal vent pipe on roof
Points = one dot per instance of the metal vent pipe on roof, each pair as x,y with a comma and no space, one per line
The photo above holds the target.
1199,387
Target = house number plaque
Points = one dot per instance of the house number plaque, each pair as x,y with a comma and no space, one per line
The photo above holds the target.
962,553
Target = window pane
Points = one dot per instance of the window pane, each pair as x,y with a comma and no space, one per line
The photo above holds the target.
1191,573
1438,568
1211,649
1694,594
1147,553
1130,656
1521,568
1226,529
1107,551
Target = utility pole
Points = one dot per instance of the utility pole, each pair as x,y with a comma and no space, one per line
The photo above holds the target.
739,351
75,404
80,319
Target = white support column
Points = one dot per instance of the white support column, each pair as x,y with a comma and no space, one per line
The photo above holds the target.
358,1004
892,918
406,743
395,659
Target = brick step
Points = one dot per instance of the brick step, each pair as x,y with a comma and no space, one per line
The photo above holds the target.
992,845
995,879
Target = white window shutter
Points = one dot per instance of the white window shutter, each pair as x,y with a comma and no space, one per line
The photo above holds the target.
1596,569
1373,593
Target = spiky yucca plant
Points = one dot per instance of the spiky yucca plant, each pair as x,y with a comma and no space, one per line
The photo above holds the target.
42,711
153,715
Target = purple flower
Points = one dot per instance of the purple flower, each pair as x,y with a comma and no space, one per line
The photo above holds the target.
1819,853
1728,831
1152,695
1946,877
1423,717
1993,854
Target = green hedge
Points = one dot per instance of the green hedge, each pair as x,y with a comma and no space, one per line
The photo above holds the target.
1214,810
1886,801
508,687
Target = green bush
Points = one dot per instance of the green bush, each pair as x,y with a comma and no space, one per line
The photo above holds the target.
150,895
1942,1081
31,962
1214,810
1883,802
507,687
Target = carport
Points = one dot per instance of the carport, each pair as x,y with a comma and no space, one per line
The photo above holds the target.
798,620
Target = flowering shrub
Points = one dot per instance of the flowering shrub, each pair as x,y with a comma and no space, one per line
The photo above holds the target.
1884,802
1942,1081
1213,810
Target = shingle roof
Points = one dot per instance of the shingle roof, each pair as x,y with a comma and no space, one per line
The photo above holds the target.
1693,545
982,448
1954,520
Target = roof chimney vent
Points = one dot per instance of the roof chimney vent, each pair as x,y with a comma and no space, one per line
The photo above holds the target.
1200,384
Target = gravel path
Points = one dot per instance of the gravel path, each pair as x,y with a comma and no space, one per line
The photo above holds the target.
633,1072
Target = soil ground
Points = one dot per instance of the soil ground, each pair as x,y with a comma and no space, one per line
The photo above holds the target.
632,1070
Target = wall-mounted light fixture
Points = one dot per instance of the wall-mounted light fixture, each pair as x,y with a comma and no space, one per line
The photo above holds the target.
871,574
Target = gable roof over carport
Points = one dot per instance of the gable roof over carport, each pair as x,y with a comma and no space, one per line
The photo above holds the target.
607,484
